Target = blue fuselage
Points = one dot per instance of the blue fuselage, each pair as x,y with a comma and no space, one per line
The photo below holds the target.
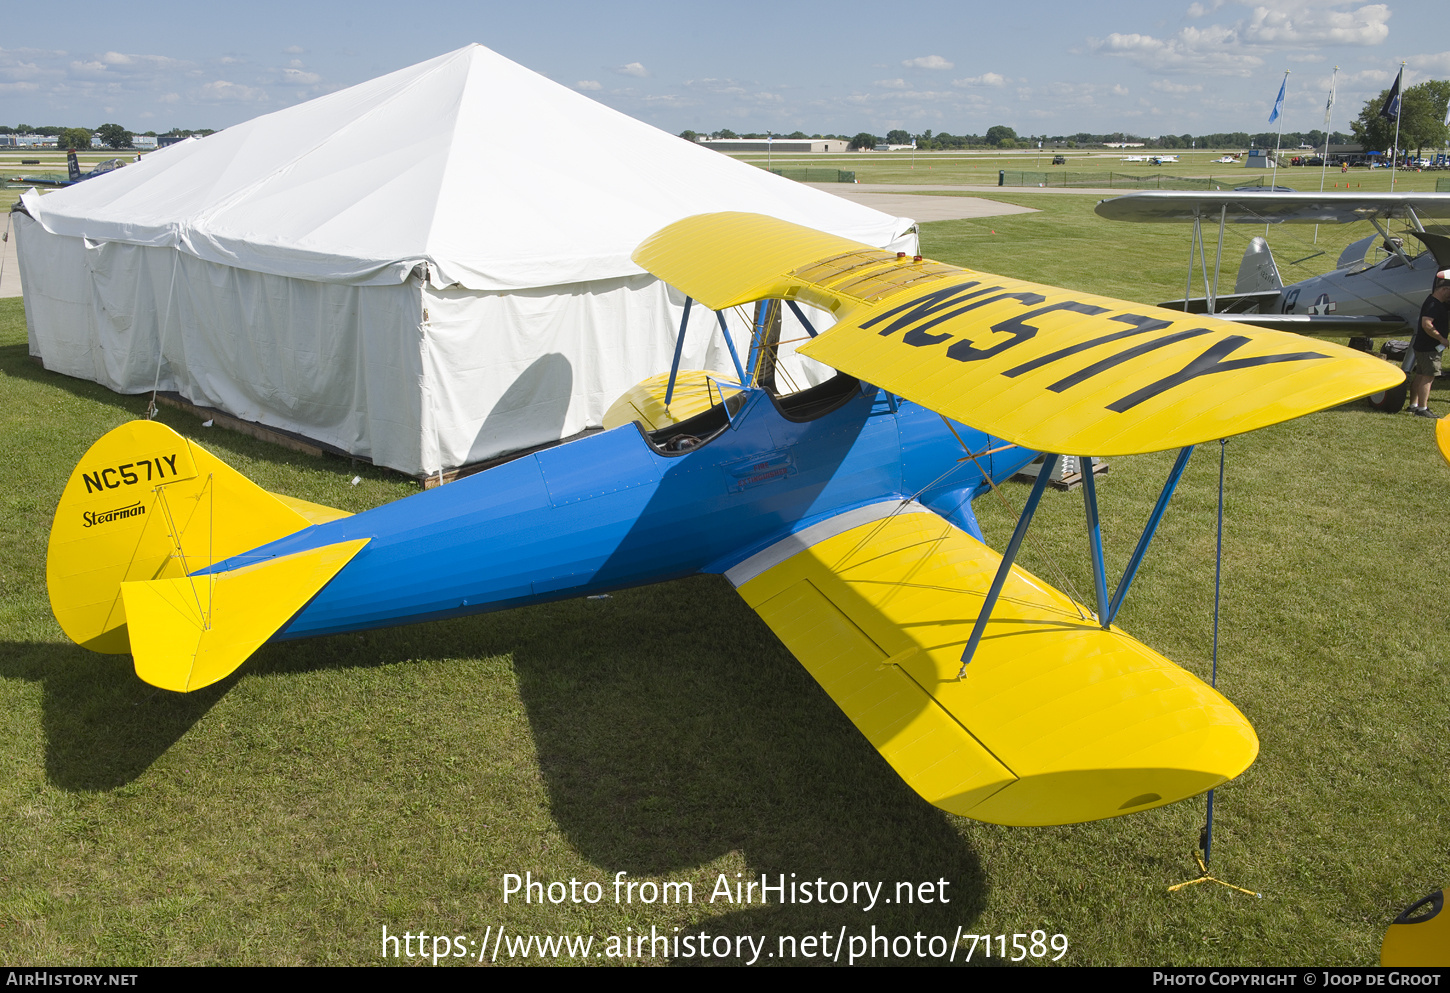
621,509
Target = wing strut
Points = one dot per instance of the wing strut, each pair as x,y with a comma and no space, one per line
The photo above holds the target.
801,317
1107,610
1049,462
1095,538
1147,536
679,347
734,356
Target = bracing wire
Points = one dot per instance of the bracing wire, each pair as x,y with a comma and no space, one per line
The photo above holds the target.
161,336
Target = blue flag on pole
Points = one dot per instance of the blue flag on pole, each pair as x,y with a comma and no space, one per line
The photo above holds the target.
1279,103
1391,109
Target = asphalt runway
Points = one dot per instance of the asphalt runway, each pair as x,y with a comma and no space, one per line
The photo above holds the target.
890,199
9,265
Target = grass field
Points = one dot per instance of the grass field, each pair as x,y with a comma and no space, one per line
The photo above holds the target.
337,787
981,168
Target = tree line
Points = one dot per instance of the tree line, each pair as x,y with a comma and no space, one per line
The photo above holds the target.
111,135
1422,125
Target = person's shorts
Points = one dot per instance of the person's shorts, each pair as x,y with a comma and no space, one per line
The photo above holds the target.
1427,363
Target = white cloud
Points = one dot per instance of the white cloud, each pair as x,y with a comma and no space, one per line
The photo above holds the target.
927,62
710,85
892,84
588,84
1168,86
295,76
632,69
1312,24
985,79
228,92
1213,50
1238,49
1437,63
672,101
293,50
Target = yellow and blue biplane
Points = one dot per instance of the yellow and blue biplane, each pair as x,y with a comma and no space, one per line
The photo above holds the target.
841,513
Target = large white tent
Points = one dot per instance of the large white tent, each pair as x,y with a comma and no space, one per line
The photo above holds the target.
427,269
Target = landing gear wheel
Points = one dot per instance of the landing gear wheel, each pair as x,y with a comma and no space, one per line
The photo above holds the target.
1390,401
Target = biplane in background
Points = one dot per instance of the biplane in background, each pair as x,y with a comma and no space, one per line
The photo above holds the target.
73,172
1375,289
841,513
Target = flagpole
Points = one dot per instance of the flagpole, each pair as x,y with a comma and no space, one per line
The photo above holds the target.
1399,108
1324,163
1279,113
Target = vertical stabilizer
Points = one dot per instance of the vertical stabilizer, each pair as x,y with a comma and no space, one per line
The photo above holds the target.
1257,271
145,504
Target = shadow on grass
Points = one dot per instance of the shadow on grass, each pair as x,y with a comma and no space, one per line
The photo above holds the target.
103,727
672,728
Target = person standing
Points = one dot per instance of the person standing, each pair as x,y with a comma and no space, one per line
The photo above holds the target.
1431,337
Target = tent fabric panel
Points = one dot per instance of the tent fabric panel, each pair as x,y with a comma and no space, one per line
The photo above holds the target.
507,371
427,164
339,364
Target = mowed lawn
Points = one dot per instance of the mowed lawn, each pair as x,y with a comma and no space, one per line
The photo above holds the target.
337,787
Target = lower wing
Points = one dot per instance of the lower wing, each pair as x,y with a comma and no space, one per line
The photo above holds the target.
1055,721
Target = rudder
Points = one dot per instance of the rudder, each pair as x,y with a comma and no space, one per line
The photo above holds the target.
145,504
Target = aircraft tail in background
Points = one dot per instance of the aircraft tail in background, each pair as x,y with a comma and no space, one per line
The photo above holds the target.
1258,272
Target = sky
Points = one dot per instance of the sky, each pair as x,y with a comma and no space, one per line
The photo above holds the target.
844,67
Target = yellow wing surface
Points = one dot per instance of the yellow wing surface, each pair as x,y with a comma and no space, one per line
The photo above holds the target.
1046,368
144,511
1056,720
696,391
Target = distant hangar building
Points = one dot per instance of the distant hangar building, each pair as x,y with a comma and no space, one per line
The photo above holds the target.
782,145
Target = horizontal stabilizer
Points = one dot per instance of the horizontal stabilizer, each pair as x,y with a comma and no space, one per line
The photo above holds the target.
190,632
1045,368
1057,720
1228,303
144,504
1329,324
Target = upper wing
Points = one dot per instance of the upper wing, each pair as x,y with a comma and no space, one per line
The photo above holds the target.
1043,367
1056,721
1162,206
1312,324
